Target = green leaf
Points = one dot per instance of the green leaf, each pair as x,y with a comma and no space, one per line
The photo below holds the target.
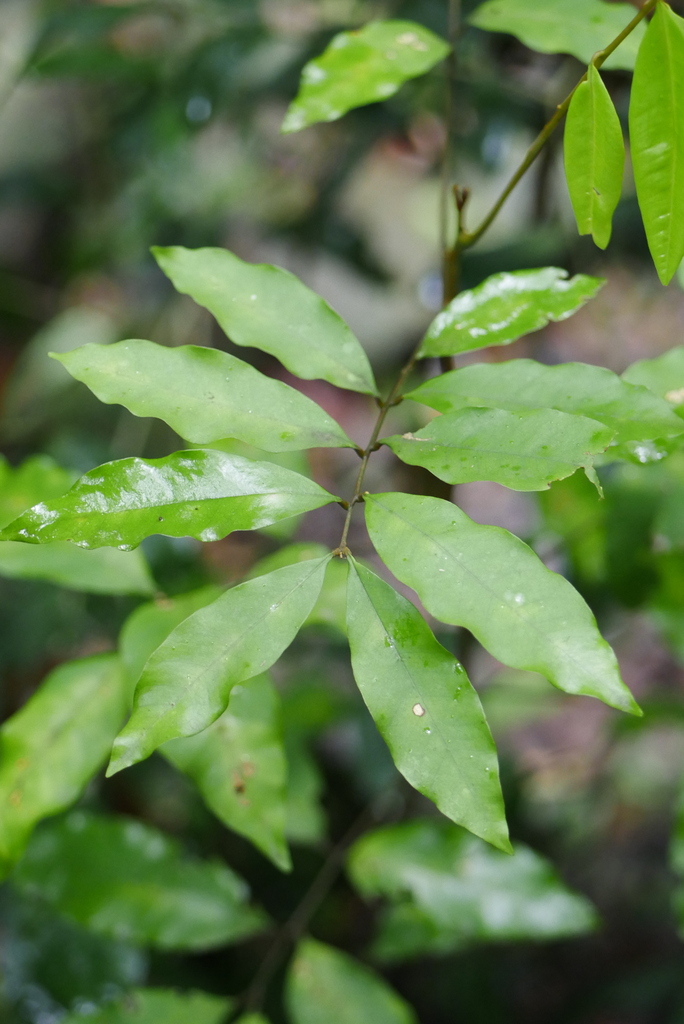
452,891
270,309
107,571
326,985
523,450
239,766
579,27
425,707
54,745
486,579
505,307
101,572
656,127
186,683
664,375
204,395
361,67
128,881
331,607
252,1018
203,494
151,623
576,388
594,152
157,1006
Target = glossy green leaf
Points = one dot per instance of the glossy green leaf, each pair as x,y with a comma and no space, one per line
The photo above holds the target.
363,67
239,766
202,494
204,395
54,745
451,891
505,307
664,375
656,128
120,878
579,27
523,450
486,579
592,391
594,151
157,1006
38,479
326,985
270,309
186,683
425,707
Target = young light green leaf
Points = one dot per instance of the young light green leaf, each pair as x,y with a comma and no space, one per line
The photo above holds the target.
425,707
203,494
663,375
594,151
326,985
460,891
120,878
39,478
187,681
593,391
239,767
270,309
106,571
656,127
204,395
363,67
505,307
579,27
52,747
486,579
523,450
157,1006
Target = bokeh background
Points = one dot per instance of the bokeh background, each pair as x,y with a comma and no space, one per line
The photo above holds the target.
126,125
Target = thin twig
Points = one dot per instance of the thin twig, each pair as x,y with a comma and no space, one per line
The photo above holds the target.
297,924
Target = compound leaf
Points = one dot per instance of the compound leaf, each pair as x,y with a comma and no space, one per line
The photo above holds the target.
424,706
451,891
363,67
486,579
523,450
594,152
239,766
270,309
158,1006
120,878
656,126
630,411
326,985
505,307
202,493
52,747
186,683
204,395
579,27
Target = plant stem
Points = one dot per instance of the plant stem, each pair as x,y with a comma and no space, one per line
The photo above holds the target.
465,238
298,922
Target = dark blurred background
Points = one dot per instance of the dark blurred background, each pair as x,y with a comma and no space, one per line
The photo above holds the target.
126,125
